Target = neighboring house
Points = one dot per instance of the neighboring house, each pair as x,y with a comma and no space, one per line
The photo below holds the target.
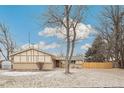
32,59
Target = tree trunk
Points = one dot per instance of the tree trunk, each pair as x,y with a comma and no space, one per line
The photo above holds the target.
68,39
67,66
73,44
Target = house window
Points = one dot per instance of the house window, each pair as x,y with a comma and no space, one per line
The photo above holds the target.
35,58
17,59
48,59
23,58
41,58
30,58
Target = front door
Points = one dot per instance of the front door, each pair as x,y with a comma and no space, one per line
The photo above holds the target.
57,63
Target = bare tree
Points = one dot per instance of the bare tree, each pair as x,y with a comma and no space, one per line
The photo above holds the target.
112,30
105,32
69,17
6,41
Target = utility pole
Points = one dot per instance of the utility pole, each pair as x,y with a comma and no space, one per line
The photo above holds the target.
29,41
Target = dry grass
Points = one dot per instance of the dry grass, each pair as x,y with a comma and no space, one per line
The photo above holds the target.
57,78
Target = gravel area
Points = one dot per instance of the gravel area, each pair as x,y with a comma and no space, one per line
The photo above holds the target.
78,78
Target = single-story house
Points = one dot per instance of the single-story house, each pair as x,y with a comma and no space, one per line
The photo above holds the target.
32,59
35,59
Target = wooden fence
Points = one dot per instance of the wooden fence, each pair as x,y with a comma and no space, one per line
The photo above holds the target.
97,65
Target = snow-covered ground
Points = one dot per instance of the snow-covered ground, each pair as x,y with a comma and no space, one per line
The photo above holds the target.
57,78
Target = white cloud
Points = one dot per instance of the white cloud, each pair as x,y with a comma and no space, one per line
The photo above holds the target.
82,30
41,45
85,47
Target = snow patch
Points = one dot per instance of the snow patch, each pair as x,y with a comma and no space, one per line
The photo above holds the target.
18,73
55,74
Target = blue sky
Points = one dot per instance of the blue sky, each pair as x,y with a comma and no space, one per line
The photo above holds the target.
23,19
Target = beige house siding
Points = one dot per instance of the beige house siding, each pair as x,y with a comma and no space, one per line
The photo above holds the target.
32,66
32,59
25,66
